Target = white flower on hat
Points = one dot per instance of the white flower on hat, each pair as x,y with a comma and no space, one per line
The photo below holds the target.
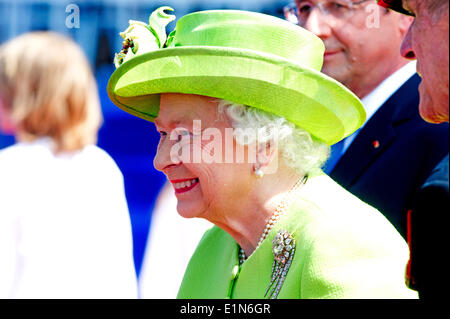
141,38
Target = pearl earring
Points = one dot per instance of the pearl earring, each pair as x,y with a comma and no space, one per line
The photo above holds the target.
258,172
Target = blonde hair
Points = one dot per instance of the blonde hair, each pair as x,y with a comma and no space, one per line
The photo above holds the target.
49,90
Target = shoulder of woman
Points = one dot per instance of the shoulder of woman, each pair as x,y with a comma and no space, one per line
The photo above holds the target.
100,157
348,248
324,204
11,152
329,217
14,158
215,236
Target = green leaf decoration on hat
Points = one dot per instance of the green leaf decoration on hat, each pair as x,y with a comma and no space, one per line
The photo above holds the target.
170,39
141,38
158,21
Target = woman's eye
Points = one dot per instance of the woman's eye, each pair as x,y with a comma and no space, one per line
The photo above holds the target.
338,5
162,134
182,134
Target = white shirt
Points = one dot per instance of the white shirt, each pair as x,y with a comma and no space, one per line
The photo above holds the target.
171,244
64,225
375,99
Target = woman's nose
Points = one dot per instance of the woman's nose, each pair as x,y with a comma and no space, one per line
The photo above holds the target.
164,156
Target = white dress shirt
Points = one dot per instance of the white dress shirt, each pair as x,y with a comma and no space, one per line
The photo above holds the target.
64,225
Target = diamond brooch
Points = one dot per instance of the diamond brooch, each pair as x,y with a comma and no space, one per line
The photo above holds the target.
283,248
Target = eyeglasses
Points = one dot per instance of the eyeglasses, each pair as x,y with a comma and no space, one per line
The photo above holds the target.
338,9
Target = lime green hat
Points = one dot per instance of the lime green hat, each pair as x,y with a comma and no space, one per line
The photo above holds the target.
244,57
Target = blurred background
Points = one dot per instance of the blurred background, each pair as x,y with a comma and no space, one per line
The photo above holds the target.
95,26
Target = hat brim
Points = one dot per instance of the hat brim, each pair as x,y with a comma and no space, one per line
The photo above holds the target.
305,97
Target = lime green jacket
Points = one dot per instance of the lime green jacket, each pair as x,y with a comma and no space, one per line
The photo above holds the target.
345,249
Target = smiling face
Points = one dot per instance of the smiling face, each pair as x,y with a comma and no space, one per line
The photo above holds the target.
361,47
203,189
427,41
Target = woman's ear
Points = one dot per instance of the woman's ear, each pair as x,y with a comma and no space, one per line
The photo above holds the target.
267,157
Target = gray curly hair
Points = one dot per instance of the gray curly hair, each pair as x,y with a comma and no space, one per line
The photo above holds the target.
298,148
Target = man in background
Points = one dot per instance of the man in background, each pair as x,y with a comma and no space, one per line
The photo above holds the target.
386,161
427,41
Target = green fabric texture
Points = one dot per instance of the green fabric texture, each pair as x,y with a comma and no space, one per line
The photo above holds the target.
247,58
345,249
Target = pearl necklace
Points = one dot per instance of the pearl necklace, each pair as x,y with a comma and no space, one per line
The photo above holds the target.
279,211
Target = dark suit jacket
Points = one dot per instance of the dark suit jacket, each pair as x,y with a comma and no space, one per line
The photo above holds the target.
392,156
427,231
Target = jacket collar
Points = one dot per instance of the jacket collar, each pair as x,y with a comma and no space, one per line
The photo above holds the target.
378,133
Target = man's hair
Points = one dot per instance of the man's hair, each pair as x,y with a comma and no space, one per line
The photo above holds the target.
49,90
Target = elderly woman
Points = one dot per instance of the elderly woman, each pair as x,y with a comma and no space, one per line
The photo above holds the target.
64,226
246,120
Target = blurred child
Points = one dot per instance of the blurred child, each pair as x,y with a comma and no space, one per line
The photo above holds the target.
64,226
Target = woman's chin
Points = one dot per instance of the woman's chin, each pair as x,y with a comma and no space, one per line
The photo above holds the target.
188,210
